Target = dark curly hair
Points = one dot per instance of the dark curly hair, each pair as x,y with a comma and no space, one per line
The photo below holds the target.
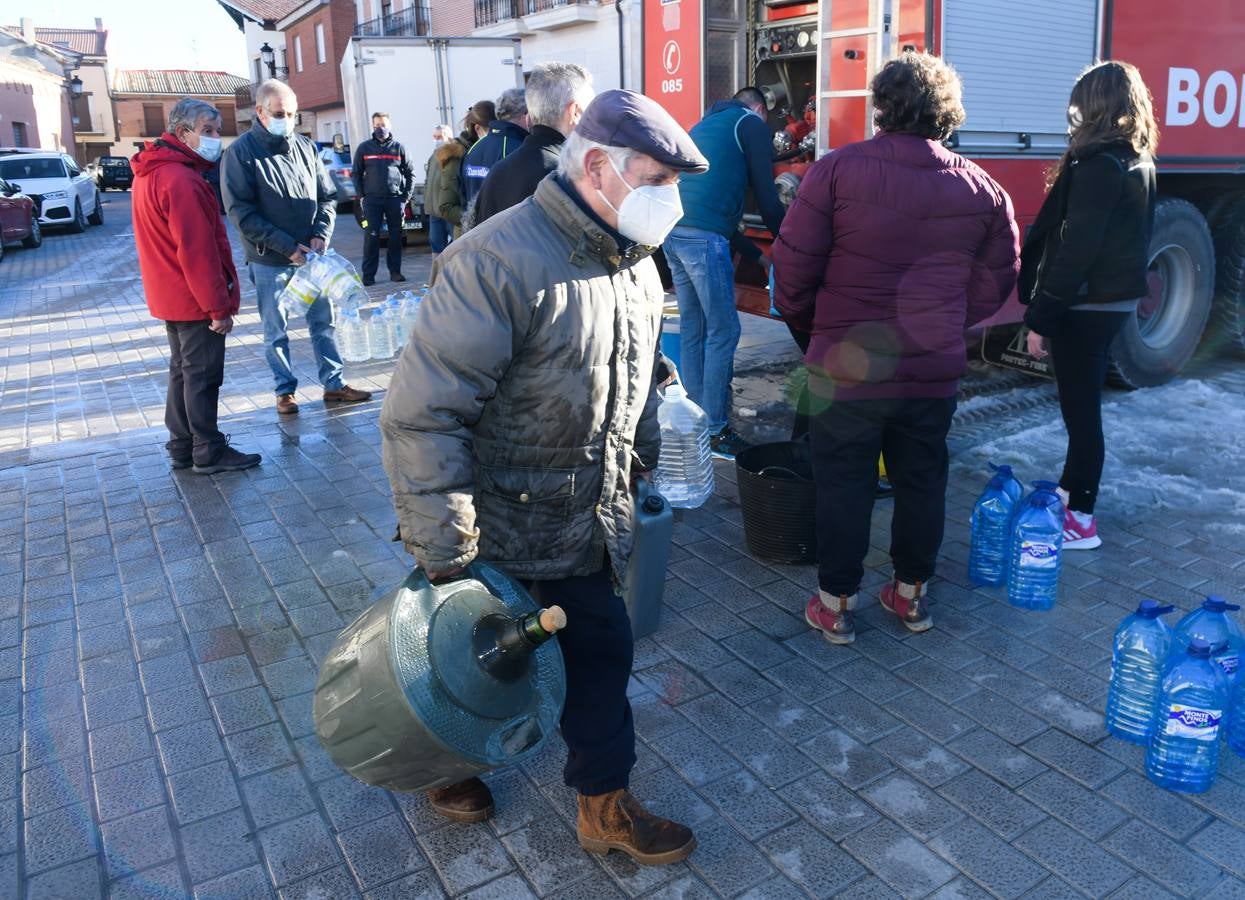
918,93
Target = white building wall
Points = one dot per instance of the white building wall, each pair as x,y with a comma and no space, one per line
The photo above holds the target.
592,45
256,37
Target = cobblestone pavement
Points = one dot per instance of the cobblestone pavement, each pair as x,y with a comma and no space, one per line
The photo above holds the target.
159,637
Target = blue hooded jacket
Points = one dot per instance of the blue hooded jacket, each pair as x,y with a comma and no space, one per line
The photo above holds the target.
737,144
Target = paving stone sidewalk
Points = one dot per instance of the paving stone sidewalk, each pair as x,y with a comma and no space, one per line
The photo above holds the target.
160,634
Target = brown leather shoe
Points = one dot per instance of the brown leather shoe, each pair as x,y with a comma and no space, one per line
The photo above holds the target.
346,394
286,405
617,821
466,801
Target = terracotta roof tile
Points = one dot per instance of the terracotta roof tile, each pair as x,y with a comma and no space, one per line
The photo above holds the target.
264,10
86,41
179,82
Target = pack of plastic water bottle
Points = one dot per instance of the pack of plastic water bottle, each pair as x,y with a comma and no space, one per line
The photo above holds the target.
326,275
384,332
1179,691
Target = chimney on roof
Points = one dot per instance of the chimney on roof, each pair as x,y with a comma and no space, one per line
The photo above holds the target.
99,24
28,29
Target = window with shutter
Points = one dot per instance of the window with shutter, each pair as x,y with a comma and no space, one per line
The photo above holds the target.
153,119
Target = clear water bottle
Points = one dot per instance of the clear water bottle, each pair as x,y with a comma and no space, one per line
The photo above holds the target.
410,308
989,543
1011,484
685,468
1236,718
352,336
1036,544
1184,749
1140,655
397,325
380,333
1213,622
296,292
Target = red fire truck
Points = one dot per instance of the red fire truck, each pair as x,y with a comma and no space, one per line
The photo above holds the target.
1018,61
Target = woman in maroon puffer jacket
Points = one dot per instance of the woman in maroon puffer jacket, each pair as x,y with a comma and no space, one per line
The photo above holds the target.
893,247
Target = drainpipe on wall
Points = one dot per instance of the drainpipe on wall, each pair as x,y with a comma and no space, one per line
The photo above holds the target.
622,56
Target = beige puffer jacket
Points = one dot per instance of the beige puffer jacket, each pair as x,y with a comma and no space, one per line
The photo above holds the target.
526,387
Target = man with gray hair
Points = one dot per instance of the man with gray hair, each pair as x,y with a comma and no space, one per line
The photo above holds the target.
521,411
189,281
506,134
280,197
557,95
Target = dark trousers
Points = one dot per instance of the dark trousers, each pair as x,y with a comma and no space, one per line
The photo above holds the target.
438,234
196,371
597,647
374,212
847,438
1078,352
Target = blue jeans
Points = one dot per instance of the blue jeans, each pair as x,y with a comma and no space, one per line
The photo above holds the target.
438,234
277,342
704,281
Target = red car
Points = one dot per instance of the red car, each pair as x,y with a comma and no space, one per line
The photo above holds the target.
19,219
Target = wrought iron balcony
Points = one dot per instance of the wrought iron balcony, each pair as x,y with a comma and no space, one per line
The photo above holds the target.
414,21
492,12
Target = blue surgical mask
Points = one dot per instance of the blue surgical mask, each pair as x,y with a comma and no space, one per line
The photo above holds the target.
209,148
280,127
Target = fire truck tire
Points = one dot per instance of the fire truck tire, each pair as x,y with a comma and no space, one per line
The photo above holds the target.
1227,328
1157,342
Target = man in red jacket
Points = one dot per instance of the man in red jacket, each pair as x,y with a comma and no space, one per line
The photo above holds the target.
190,281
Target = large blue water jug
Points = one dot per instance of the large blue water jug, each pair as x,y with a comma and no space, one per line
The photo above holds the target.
1236,718
989,543
1141,648
1036,543
1184,748
1011,484
1213,622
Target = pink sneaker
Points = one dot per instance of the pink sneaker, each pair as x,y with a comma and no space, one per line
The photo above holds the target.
1077,533
836,625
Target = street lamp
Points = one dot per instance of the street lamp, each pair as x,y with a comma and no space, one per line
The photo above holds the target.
269,56
76,86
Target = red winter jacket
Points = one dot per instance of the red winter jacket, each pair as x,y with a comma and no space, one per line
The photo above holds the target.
183,252
892,249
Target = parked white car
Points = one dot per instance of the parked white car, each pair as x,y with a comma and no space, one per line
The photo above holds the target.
68,194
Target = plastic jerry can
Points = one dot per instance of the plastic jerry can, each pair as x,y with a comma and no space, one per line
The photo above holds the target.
646,570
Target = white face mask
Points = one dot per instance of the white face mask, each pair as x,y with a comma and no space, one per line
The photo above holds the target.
280,127
209,148
648,212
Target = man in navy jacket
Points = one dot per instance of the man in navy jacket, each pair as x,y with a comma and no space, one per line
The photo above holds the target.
737,142
505,136
383,180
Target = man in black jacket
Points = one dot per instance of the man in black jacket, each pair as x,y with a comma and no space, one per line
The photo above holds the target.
383,178
557,94
505,135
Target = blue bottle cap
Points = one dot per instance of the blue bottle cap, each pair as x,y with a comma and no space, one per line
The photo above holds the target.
1152,609
1199,648
1215,603
1004,470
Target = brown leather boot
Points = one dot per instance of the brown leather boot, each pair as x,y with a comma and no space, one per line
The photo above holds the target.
617,821
286,404
465,801
909,603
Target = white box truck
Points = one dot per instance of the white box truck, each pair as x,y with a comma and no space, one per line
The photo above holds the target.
421,82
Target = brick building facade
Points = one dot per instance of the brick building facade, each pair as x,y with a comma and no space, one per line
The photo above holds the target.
316,35
143,99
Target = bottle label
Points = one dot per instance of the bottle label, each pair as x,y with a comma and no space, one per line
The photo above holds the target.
1038,555
1229,662
1191,722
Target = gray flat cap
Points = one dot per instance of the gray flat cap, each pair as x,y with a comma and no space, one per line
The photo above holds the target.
627,119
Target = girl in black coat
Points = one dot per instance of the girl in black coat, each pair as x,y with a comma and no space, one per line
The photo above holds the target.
1084,264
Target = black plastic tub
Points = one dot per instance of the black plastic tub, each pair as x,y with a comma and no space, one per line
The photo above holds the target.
779,501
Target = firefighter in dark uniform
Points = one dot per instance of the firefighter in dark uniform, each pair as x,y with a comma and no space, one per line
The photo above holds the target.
383,180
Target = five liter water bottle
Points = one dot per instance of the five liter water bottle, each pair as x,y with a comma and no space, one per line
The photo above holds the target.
685,468
1236,718
1142,644
1011,484
1213,623
352,335
1036,542
381,333
1184,748
991,528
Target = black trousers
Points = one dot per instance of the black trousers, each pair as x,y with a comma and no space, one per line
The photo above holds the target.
196,371
597,647
374,211
1078,352
847,438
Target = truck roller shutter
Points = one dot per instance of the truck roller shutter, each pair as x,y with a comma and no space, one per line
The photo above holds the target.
1018,62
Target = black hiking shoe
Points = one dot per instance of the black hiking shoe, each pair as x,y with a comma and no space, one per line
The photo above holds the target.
229,460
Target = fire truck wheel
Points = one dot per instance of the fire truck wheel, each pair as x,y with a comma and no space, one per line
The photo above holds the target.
1227,328
1155,344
